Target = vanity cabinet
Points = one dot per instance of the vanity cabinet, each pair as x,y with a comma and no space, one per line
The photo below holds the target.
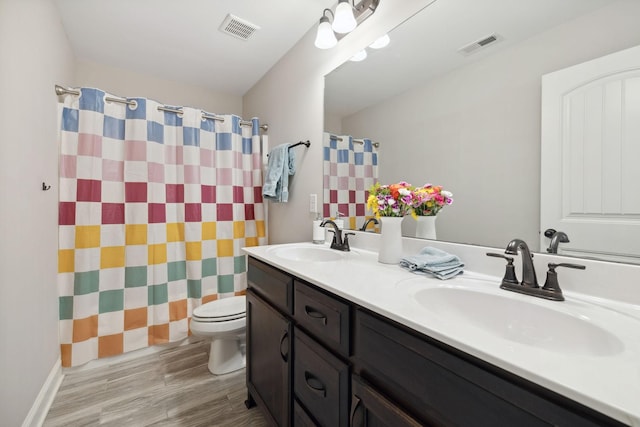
269,333
297,350
440,385
315,359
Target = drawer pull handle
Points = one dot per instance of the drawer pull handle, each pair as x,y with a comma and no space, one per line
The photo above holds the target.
314,384
312,312
355,404
285,356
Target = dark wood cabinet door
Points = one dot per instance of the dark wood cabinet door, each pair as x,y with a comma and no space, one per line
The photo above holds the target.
369,408
268,359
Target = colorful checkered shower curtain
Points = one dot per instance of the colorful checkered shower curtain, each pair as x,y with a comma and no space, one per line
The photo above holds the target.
349,170
154,208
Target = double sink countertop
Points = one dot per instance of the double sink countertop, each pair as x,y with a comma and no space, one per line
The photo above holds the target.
586,348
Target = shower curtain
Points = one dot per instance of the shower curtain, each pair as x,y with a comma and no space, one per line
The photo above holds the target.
154,208
349,169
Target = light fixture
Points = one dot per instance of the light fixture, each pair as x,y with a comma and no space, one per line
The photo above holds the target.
346,18
380,42
360,56
344,21
325,38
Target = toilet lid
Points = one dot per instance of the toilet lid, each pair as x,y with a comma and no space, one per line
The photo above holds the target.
222,309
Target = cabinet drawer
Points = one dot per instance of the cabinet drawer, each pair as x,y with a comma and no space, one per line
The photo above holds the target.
441,386
272,284
370,408
320,381
323,316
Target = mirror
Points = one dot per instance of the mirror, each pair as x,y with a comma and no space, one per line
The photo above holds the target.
449,108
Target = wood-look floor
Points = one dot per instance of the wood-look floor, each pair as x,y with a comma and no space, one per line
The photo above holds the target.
169,388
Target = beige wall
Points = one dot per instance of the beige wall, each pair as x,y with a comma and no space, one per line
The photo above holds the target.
34,55
477,129
290,97
127,83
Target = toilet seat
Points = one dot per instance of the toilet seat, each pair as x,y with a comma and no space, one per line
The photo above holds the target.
221,310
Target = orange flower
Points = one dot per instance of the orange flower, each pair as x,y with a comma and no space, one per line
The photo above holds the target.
394,188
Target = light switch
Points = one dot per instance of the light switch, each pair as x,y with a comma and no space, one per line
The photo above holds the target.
313,203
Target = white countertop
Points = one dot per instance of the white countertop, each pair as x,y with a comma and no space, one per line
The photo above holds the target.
608,382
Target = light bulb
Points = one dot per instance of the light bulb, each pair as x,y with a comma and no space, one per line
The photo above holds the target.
381,42
360,56
325,38
344,20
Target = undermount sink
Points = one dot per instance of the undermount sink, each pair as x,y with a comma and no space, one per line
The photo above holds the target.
308,253
526,322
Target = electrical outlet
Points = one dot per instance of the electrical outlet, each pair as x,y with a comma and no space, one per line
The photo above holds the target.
313,203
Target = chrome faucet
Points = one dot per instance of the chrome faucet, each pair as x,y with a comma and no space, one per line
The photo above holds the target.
556,238
367,222
337,242
529,278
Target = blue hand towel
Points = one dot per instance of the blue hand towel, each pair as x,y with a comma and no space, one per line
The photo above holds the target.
429,257
434,262
442,275
281,164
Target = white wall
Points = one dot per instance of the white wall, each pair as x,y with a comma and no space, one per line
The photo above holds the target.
290,97
34,55
476,130
127,83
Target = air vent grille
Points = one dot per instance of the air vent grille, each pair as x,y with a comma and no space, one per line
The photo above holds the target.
238,27
479,44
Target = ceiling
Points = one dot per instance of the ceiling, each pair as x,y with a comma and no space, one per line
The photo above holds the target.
427,45
181,41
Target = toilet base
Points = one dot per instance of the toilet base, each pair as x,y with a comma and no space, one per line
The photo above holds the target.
226,355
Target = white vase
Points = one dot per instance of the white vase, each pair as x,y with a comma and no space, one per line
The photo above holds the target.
390,240
426,227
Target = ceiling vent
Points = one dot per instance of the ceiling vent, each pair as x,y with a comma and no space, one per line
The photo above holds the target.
238,27
479,44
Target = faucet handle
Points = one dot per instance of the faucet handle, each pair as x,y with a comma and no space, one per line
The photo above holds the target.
510,271
553,266
551,284
345,240
497,255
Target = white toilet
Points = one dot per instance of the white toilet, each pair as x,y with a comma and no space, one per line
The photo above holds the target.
224,320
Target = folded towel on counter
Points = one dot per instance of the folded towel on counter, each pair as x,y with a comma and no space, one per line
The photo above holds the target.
434,262
281,164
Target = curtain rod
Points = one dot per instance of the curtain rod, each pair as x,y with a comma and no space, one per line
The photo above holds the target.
60,90
357,141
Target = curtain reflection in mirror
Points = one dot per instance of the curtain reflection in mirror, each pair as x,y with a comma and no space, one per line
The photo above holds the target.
350,168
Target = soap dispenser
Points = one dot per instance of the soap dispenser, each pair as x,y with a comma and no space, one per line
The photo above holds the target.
318,231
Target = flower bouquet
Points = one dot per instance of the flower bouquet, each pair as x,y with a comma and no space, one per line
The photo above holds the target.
395,200
429,199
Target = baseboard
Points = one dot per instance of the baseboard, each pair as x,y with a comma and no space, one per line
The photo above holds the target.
40,407
131,355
